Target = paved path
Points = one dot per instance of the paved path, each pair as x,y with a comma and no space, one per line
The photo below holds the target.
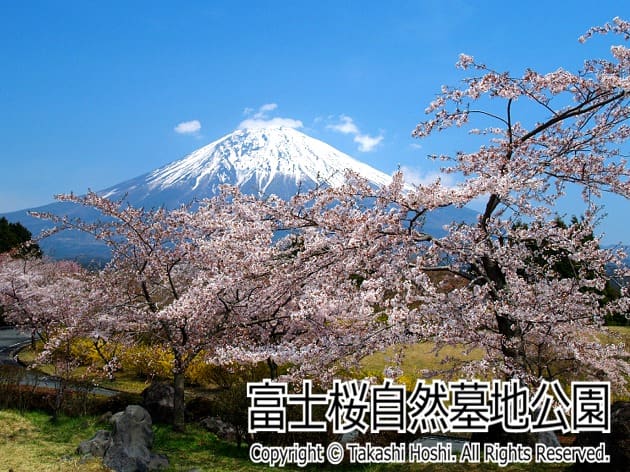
12,340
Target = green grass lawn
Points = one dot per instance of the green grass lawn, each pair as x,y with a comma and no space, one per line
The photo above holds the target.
127,382
31,442
418,357
623,332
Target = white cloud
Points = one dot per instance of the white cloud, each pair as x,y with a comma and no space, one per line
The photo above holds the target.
346,125
277,122
188,127
260,119
367,143
267,107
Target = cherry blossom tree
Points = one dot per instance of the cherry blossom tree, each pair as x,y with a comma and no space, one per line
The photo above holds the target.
206,281
39,295
337,252
245,279
544,133
145,285
49,299
337,273
370,262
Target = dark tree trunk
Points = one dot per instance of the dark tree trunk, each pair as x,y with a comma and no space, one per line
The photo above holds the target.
179,406
273,368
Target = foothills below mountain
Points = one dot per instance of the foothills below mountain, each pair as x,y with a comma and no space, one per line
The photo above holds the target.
260,161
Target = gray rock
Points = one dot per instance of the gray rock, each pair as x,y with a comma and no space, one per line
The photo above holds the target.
105,417
132,438
220,428
127,447
548,438
97,446
352,436
158,398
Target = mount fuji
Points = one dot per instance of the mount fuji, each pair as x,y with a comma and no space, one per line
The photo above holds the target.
261,161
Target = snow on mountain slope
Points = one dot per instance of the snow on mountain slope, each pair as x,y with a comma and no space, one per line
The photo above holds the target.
260,161
261,154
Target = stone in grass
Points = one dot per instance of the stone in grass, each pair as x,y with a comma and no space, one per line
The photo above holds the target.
219,428
127,447
159,399
97,446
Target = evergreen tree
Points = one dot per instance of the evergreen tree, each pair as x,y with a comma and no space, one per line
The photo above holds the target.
15,236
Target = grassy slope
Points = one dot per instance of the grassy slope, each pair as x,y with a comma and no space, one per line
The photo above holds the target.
419,357
30,442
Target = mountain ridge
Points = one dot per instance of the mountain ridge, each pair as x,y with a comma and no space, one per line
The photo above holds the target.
262,161
259,161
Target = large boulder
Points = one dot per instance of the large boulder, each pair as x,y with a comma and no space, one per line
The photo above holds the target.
617,442
159,398
97,446
219,428
128,447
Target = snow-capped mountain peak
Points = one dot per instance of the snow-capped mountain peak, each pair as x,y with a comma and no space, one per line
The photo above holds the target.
260,161
256,158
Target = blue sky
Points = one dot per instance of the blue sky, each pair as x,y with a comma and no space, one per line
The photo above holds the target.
91,93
